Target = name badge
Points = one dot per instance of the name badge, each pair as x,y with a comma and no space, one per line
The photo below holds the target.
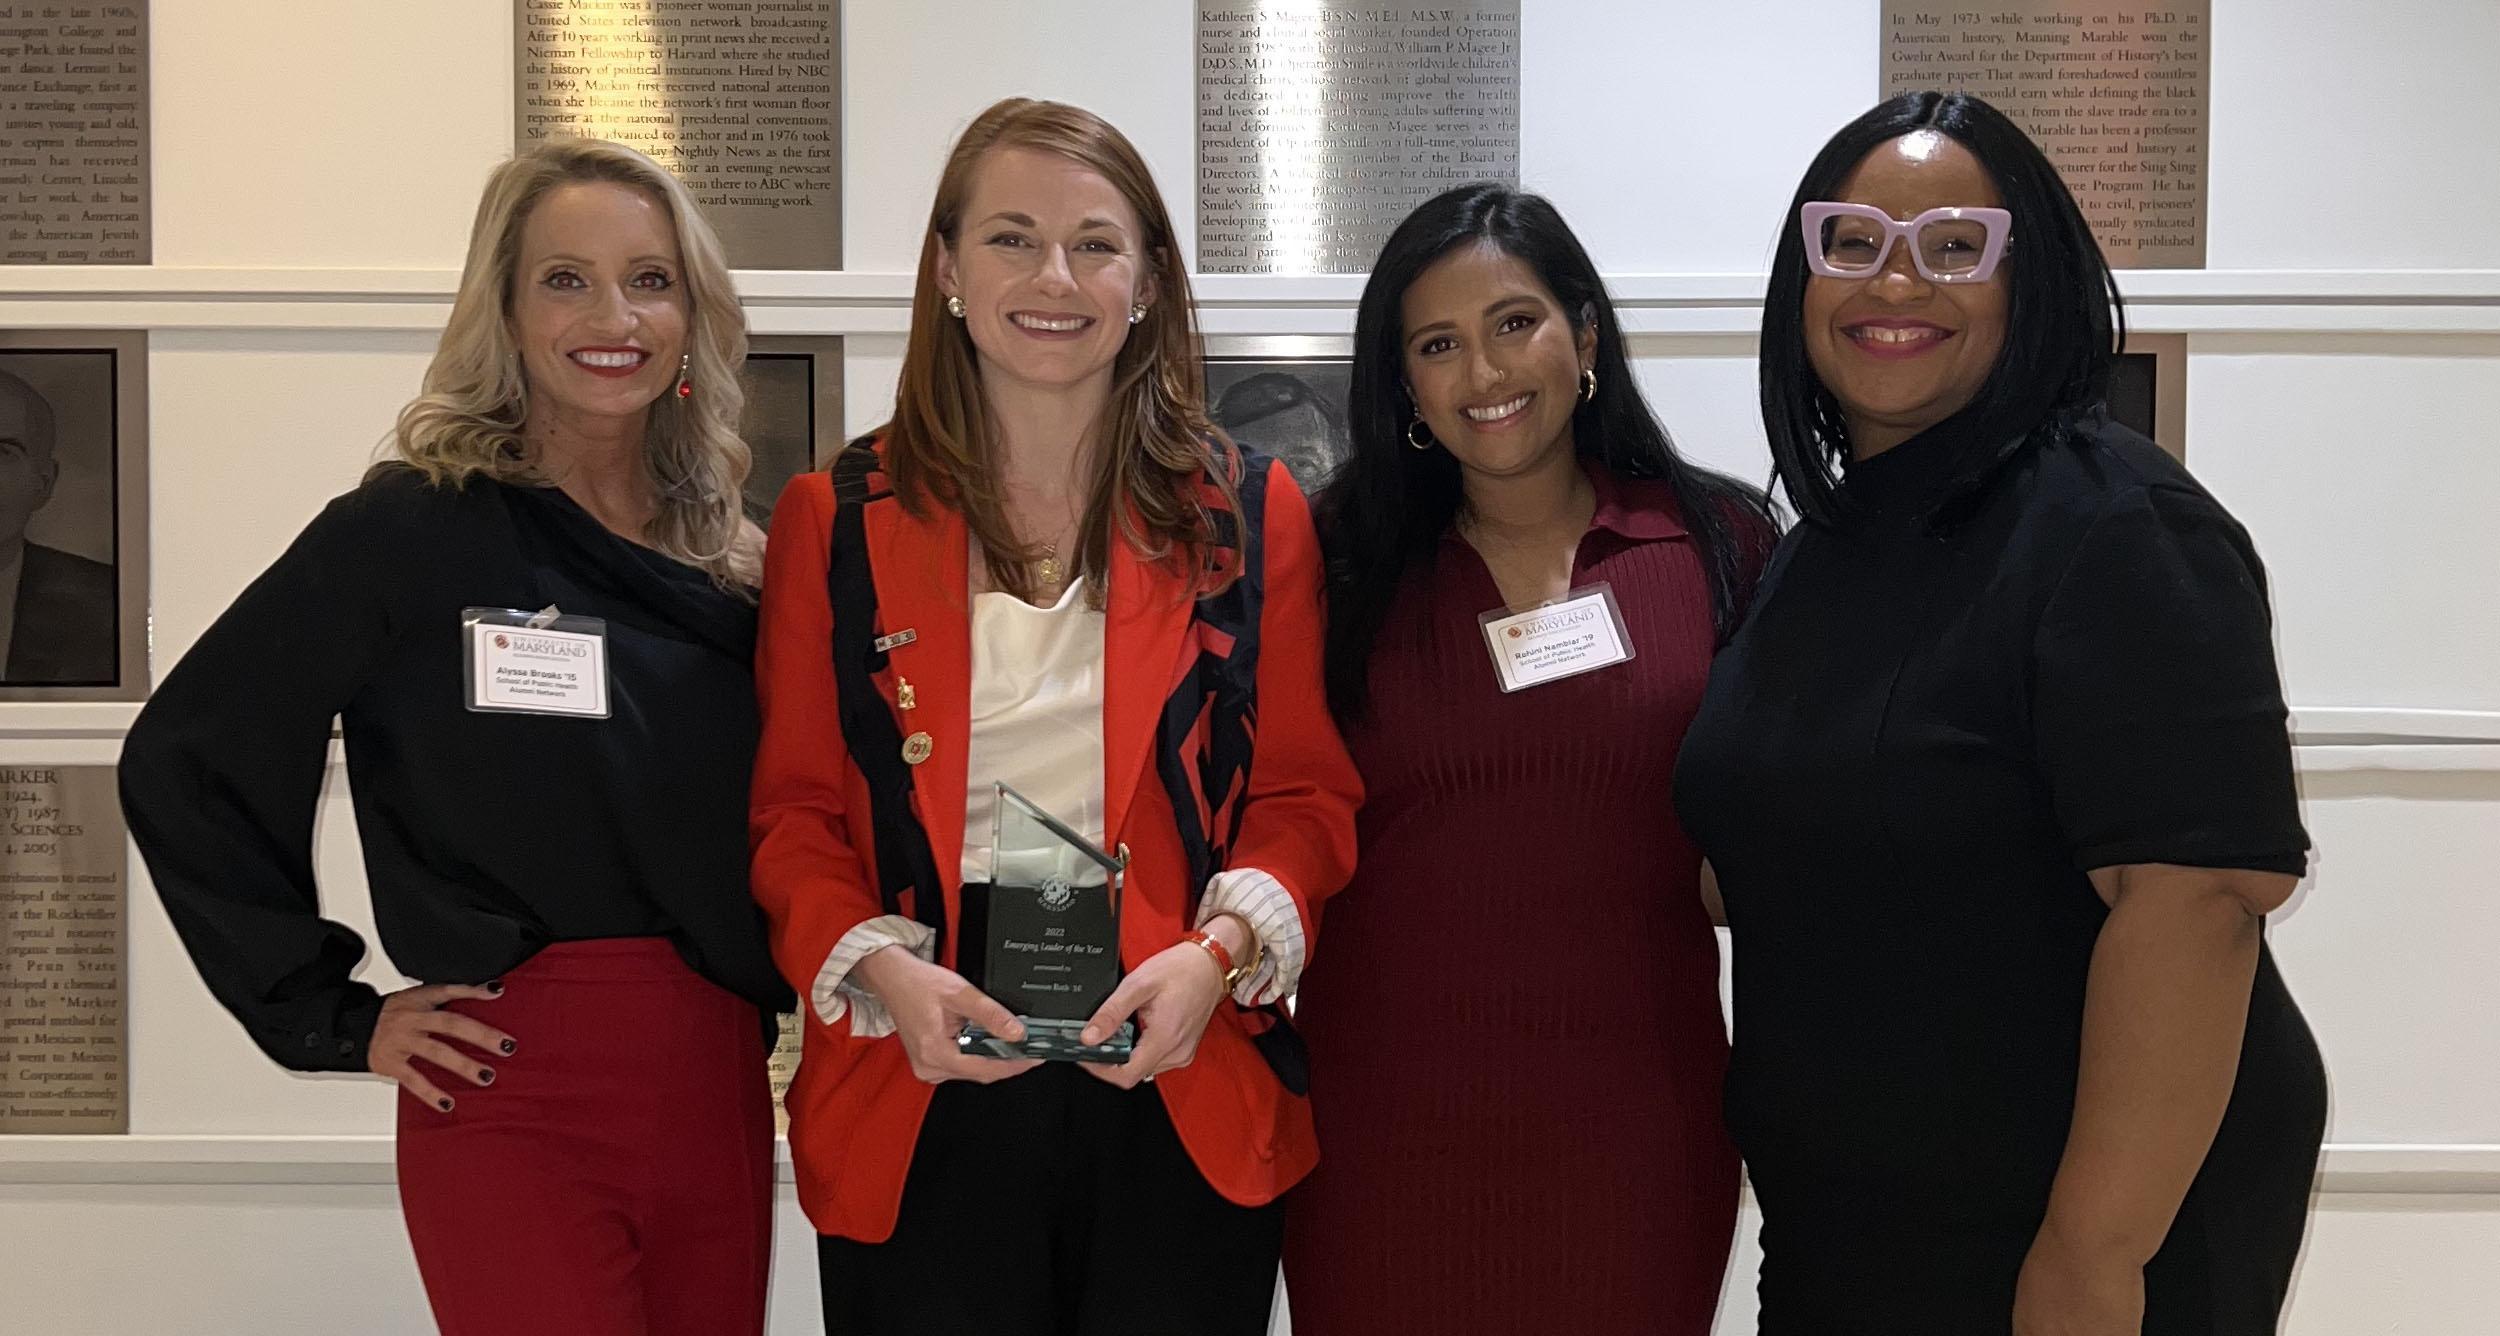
535,662
1580,632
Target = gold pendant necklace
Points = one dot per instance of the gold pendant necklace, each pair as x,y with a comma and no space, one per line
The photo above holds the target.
1049,569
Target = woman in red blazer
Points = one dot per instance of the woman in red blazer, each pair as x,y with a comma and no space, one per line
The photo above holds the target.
1049,578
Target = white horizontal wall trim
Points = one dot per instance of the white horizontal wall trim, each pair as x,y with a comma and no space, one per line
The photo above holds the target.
840,302
2158,286
2472,735
66,719
2453,757
2330,724
254,1160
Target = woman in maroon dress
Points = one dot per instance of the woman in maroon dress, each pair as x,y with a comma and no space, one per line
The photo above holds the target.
1515,1031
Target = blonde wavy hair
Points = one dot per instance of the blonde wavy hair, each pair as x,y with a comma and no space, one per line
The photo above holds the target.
468,421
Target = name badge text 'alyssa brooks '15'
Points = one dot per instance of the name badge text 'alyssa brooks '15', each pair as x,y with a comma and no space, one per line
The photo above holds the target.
1580,632
534,662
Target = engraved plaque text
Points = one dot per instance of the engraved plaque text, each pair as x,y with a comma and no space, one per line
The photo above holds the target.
74,133
63,872
738,97
2114,92
1321,126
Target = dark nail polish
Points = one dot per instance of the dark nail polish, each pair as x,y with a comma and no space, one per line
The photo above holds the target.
444,1104
485,1076
495,986
506,1046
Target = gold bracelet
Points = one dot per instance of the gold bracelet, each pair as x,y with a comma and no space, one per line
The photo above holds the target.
1258,952
1205,941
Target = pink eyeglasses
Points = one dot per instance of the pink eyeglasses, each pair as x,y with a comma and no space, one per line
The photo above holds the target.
1946,245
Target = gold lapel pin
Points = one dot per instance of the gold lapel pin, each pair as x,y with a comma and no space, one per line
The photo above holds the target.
917,747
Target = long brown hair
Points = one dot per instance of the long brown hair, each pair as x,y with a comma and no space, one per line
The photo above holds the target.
1155,475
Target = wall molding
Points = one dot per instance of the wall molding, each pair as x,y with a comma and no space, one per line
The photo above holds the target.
2326,725
201,1161
2179,301
2328,737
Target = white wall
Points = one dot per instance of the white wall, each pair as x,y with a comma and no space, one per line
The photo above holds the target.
315,177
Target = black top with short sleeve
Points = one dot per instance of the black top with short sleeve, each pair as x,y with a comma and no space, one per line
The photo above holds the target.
486,836
1937,718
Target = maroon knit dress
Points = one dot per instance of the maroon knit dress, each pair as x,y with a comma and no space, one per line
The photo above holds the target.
1513,1010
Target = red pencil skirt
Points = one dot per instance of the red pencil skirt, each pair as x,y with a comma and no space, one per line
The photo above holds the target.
617,1177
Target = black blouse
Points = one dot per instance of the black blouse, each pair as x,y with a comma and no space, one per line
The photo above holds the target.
1932,725
486,836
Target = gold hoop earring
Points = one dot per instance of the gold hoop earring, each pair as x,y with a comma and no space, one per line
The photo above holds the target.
1418,425
1588,385
955,307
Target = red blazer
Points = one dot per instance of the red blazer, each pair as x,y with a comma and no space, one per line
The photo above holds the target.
855,1107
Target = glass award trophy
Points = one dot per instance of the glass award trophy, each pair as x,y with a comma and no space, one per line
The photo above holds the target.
1045,938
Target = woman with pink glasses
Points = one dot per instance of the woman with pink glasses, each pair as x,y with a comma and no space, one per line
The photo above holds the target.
1997,787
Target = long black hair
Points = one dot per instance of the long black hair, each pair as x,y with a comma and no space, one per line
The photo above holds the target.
2064,321
1383,513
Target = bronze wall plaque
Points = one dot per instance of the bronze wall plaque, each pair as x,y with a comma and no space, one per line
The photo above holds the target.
783,1067
740,98
64,871
2116,92
1321,126
74,133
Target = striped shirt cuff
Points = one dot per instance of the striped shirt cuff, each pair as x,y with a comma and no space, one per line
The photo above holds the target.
833,995
1262,902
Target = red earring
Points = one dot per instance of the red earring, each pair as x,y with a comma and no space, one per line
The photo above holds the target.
685,385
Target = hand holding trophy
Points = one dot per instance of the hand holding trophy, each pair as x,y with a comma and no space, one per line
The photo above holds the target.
1043,940
1171,996
930,1004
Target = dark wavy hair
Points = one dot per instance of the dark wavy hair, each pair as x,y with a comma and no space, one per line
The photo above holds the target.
2064,320
1383,513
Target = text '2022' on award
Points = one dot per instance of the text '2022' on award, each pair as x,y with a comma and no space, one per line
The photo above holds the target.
1044,937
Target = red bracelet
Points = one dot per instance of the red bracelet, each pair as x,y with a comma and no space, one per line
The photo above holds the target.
1223,958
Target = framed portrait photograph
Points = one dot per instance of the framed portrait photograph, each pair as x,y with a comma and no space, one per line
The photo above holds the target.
73,515
1285,397
2148,389
793,417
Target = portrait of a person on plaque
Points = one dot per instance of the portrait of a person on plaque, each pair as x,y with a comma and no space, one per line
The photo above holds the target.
779,426
60,617
1043,938
1290,411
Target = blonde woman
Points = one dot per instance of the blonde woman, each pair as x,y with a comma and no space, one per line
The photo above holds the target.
536,622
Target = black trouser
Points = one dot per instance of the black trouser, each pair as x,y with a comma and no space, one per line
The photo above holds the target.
1055,1204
